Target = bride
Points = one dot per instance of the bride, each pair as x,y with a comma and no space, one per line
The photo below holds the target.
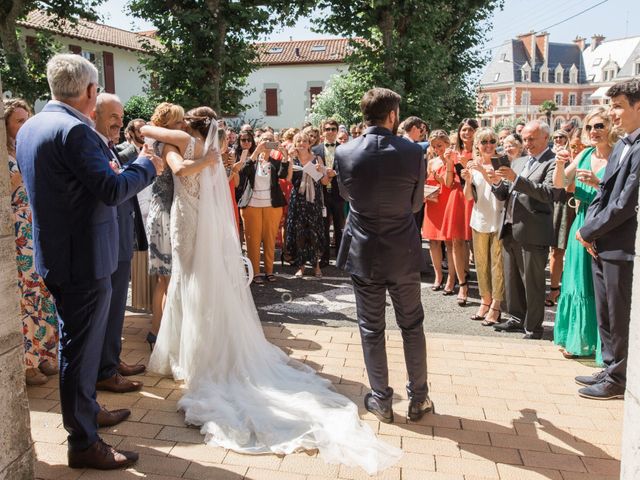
245,393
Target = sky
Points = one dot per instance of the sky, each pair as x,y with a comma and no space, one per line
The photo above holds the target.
611,18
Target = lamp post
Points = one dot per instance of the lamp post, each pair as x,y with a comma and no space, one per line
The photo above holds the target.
526,88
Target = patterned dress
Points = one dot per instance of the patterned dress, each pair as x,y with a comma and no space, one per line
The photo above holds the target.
158,221
305,239
37,307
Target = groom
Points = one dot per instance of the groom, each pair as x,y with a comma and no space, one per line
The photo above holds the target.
382,177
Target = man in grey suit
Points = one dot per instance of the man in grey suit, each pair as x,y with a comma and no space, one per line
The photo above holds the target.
527,229
609,234
382,176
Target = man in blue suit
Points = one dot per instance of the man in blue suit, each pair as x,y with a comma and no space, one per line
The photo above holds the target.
382,177
73,193
108,116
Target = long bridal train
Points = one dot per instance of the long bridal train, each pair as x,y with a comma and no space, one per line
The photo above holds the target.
245,393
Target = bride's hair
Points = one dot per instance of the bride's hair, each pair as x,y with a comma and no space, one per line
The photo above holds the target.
167,113
200,118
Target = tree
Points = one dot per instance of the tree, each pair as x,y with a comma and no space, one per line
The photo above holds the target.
138,107
548,107
340,100
207,48
23,72
425,51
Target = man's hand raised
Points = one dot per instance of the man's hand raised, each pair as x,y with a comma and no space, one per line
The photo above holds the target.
158,162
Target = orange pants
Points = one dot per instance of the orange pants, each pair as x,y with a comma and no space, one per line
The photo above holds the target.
261,227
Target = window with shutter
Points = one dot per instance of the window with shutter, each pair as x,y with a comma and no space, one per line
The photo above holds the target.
109,78
75,49
271,96
313,91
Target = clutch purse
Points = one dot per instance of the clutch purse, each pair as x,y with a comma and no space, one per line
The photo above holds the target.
431,193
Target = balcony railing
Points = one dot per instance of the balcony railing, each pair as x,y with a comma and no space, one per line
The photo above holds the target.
534,109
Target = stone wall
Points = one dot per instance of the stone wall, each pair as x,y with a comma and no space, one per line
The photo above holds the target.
631,433
16,447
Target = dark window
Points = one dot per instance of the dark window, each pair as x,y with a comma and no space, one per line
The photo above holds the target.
271,95
75,49
109,78
313,91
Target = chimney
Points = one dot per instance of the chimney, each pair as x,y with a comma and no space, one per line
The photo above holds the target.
596,41
297,51
542,42
529,42
580,42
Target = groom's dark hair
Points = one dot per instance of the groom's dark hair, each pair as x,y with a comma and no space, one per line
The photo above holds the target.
376,105
200,118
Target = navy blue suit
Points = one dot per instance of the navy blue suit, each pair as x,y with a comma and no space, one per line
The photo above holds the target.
382,177
73,195
611,223
131,237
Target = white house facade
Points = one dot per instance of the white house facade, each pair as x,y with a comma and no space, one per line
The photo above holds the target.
282,90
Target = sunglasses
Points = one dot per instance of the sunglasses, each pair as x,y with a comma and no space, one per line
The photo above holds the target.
493,141
330,129
597,126
559,138
574,147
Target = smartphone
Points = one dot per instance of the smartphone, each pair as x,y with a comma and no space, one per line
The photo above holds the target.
498,162
271,145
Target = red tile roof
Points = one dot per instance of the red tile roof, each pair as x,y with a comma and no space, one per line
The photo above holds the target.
89,31
308,51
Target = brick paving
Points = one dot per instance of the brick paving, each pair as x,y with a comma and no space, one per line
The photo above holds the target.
506,409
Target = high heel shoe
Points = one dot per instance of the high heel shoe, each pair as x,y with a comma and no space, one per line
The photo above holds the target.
436,287
462,301
475,316
498,319
151,340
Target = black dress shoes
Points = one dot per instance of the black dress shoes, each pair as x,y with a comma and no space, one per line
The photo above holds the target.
106,418
532,336
511,325
418,409
101,457
602,391
383,412
588,380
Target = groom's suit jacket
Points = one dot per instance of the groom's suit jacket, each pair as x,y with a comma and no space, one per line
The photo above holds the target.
73,194
382,177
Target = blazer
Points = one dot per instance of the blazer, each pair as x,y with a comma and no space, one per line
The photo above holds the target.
131,232
611,221
382,176
533,206
332,195
248,174
73,194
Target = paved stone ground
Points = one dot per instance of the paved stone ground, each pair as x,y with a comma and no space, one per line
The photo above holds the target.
506,409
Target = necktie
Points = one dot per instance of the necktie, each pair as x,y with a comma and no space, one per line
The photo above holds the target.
626,140
111,145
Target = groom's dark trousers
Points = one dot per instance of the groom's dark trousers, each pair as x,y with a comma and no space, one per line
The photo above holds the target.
73,194
382,176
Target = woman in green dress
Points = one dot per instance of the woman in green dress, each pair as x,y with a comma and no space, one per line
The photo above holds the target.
576,325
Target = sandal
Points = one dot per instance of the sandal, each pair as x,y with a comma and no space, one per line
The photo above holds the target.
462,301
437,287
270,277
549,301
498,319
258,279
481,317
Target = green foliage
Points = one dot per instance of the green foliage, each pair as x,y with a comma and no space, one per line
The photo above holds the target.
425,51
548,107
24,72
508,123
340,100
139,107
207,47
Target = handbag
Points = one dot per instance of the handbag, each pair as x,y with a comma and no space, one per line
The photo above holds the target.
244,199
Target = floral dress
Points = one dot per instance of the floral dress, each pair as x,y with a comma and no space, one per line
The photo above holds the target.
305,238
37,307
158,221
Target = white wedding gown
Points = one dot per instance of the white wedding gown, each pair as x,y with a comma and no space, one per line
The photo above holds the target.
245,393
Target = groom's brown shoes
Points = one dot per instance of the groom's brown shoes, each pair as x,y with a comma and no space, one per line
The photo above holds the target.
106,418
129,370
383,412
101,457
118,384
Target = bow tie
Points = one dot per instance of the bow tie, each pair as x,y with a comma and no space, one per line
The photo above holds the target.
329,144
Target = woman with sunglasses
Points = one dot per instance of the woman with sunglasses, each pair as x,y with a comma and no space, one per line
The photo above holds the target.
560,140
457,215
576,328
486,221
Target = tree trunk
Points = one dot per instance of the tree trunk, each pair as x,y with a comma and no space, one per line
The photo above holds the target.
386,24
10,44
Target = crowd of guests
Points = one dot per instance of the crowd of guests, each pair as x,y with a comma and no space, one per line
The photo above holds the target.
509,203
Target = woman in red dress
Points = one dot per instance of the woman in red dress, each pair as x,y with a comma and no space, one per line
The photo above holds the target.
457,214
435,207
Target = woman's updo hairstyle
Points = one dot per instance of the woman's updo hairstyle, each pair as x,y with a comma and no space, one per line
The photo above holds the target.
199,119
167,113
